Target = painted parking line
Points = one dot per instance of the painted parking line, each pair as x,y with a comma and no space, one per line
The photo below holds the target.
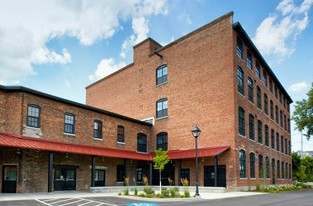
73,201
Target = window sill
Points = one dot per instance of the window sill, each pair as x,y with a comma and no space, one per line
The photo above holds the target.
98,139
243,178
252,140
161,84
253,178
120,143
241,94
160,118
69,134
242,136
35,128
142,152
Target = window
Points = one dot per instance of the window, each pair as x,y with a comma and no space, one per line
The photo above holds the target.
267,165
267,143
265,104
284,102
241,121
272,139
240,81
120,133
161,74
260,138
286,169
264,78
278,169
276,92
280,99
33,116
289,171
69,123
261,169
97,129
285,122
251,126
282,170
250,90
120,173
162,140
272,109
286,147
239,48
162,108
288,125
277,141
249,59
271,86
282,144
242,164
259,97
252,165
258,70
141,142
281,118
277,116
273,168
289,145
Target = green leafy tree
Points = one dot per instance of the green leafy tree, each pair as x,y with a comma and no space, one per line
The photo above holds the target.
160,160
301,172
296,161
303,114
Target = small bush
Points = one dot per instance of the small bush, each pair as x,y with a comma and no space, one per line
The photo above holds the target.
187,193
148,191
165,192
160,195
136,191
126,192
174,192
142,195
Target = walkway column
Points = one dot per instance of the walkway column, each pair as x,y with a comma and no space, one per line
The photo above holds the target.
50,172
215,170
150,173
179,170
93,170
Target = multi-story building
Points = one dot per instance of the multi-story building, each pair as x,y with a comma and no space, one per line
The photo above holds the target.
216,78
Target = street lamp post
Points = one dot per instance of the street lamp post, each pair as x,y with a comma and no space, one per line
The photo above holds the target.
196,132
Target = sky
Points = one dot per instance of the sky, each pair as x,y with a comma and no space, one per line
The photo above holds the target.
60,47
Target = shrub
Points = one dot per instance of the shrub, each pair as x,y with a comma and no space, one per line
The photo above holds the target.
165,192
187,193
148,191
136,191
174,192
126,191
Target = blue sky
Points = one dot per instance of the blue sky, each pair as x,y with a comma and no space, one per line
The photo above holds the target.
60,47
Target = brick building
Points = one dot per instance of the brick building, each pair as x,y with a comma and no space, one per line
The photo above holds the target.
216,78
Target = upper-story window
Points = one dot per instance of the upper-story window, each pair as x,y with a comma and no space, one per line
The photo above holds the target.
281,118
69,123
120,133
260,136
277,141
162,107
252,165
277,114
272,110
271,85
259,97
249,59
266,131
265,104
280,97
257,70
272,139
239,47
33,116
141,142
162,140
242,164
276,92
251,126
264,78
241,120
161,74
240,81
97,129
250,90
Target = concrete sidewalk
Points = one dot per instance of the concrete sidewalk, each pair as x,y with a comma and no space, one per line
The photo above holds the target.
74,194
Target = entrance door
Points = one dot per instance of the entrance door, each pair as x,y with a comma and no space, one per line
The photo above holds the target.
100,178
9,179
209,176
64,178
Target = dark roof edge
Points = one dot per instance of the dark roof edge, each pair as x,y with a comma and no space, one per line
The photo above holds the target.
59,99
237,26
147,39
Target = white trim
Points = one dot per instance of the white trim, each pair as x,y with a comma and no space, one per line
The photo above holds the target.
120,142
98,139
69,134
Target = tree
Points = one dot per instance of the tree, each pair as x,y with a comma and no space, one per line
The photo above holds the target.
160,160
296,161
301,173
303,114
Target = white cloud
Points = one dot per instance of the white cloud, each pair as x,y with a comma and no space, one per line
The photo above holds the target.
297,87
186,18
277,34
27,26
105,68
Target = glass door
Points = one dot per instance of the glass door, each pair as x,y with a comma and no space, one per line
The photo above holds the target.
9,179
64,178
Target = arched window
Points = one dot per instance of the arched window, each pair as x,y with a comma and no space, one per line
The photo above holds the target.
161,108
261,168
141,142
252,165
260,137
272,139
277,141
161,74
267,162
273,169
267,142
272,109
282,170
257,70
242,164
249,59
241,119
250,90
251,126
240,81
259,97
33,116
239,47
265,104
278,169
162,140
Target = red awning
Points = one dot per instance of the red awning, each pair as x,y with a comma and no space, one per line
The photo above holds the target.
202,152
22,142
11,140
